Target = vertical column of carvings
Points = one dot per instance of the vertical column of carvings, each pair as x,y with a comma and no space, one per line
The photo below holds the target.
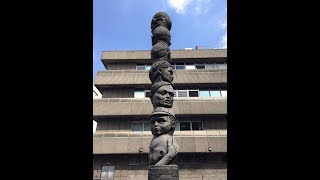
163,146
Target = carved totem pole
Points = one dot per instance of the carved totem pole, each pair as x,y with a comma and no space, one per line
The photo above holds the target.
163,146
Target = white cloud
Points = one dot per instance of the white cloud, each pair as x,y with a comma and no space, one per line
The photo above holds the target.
196,7
224,24
223,41
179,5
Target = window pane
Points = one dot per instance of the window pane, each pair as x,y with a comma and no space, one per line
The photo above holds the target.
148,94
139,94
107,172
140,67
134,159
193,94
147,68
182,93
144,158
220,66
215,93
136,126
201,158
204,93
175,93
184,126
177,126
224,93
190,67
187,158
180,67
196,126
210,66
200,66
147,126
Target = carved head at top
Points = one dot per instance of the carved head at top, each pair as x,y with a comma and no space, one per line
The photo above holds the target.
161,19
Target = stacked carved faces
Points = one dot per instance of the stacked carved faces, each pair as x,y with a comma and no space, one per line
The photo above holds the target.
163,147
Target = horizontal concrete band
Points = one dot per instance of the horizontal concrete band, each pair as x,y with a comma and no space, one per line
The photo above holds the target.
132,56
136,77
132,145
143,107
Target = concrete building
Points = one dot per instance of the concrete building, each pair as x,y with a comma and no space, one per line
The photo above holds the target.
122,137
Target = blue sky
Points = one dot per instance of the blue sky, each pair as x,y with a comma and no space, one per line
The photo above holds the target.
125,25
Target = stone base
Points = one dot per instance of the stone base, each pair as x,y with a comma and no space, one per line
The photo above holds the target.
166,172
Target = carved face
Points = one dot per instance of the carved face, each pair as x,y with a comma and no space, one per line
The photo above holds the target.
161,124
158,149
167,74
163,96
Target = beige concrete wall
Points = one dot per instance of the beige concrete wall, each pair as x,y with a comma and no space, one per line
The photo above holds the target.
110,78
216,170
132,141
143,106
144,55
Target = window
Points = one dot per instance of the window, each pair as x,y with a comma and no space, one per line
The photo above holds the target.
185,126
200,66
107,172
179,67
193,93
137,126
145,67
182,93
177,126
190,67
220,66
215,93
139,94
191,126
141,126
224,93
142,93
147,126
210,66
196,126
201,158
204,93
138,159
186,93
148,93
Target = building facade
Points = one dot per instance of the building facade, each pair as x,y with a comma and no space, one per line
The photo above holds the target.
122,137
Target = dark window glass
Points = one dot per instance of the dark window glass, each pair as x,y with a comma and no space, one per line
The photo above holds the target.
147,126
184,126
201,158
193,94
177,126
136,126
196,126
148,94
187,158
134,159
180,67
144,159
200,66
